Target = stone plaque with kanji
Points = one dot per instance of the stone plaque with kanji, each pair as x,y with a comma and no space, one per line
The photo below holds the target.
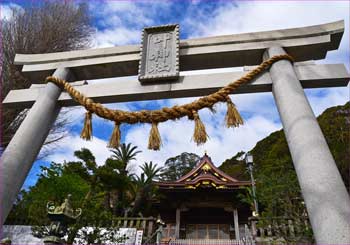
159,54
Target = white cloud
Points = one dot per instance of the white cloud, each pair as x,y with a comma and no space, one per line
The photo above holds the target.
122,27
223,142
252,16
121,22
321,99
116,36
6,10
65,150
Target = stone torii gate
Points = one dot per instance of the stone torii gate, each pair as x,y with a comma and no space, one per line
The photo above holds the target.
325,195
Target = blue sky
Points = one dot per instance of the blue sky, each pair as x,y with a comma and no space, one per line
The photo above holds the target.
121,23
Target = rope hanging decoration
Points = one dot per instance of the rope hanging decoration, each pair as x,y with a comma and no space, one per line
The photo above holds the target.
154,117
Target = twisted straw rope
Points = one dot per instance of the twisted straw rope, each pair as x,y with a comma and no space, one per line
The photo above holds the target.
164,114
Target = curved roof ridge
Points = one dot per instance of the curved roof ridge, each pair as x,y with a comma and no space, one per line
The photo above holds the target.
206,160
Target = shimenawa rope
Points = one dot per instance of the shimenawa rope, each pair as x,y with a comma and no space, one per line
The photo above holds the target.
233,119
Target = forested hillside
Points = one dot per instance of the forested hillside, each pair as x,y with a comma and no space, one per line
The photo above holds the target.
335,125
277,185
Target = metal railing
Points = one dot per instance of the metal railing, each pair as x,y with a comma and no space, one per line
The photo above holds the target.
148,225
205,242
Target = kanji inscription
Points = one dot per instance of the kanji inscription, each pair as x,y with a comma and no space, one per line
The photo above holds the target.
159,53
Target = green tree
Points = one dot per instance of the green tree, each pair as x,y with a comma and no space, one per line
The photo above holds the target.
54,184
335,125
125,154
120,161
87,169
277,185
151,170
236,167
114,185
89,183
278,190
144,188
178,166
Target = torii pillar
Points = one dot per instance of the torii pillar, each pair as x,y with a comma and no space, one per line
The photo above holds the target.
326,198
21,152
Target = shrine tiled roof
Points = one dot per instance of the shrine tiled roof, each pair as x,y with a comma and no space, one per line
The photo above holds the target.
204,175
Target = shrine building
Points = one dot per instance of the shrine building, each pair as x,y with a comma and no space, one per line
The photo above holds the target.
203,204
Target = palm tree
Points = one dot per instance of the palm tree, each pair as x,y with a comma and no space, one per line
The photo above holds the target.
118,163
124,154
151,170
144,188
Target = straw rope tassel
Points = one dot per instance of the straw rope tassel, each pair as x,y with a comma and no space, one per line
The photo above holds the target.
114,141
164,114
86,133
161,115
154,140
200,135
233,118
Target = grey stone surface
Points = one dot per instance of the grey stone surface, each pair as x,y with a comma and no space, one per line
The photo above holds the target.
311,76
324,192
20,234
19,155
159,53
305,43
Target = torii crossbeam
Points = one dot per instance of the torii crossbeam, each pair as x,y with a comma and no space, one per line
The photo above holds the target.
325,195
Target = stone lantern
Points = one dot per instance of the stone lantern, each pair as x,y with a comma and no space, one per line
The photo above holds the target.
60,217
